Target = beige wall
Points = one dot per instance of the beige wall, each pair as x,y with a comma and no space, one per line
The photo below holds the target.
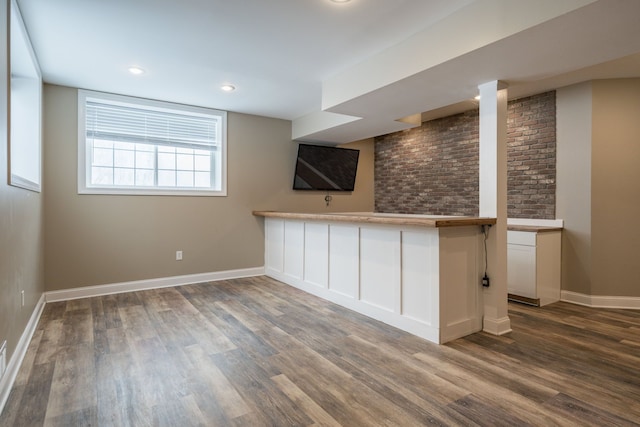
573,190
101,239
599,186
21,236
615,181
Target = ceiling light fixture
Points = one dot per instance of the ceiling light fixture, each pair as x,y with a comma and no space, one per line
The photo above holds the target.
228,88
136,71
477,98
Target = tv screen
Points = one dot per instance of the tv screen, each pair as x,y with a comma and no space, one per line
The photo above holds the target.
325,168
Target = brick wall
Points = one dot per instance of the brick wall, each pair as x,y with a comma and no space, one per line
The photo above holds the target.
433,169
531,154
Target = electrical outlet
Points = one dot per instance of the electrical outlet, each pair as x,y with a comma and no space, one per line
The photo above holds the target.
178,255
3,357
22,298
485,281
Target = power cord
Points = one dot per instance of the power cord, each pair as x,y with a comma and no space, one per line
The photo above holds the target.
485,278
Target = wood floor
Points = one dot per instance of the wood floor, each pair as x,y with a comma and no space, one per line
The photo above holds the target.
255,352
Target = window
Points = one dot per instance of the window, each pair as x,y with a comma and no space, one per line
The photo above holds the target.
136,146
26,106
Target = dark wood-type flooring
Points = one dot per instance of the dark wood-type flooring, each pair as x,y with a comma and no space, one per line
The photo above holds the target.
255,352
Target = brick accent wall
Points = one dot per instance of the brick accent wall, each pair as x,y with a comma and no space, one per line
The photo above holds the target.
531,157
433,169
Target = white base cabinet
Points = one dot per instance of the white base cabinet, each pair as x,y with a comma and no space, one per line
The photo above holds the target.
533,266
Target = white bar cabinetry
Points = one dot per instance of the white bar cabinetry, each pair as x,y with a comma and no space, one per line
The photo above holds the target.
424,280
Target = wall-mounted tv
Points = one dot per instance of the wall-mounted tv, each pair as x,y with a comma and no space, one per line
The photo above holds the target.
323,168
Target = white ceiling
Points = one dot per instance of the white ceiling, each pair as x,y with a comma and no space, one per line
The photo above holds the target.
291,59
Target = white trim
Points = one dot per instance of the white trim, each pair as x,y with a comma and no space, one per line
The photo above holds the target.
9,377
598,301
18,181
496,326
140,285
84,160
536,222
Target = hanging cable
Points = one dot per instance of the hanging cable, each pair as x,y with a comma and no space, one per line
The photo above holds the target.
485,278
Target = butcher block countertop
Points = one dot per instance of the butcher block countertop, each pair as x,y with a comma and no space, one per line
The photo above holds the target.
383,218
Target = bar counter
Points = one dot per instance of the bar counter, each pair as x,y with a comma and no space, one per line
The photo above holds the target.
383,218
419,273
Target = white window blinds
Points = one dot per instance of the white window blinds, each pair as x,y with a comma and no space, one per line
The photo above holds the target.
118,122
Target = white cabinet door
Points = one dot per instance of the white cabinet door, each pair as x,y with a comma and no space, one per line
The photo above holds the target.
521,270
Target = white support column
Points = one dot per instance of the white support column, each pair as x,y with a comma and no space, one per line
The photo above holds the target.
493,202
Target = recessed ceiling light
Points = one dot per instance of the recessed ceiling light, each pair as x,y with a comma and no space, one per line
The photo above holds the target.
136,70
228,88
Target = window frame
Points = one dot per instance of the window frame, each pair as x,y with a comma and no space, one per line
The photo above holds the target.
25,106
84,151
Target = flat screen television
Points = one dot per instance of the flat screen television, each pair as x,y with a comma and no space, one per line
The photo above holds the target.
324,168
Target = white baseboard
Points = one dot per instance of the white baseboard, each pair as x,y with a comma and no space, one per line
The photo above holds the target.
140,285
496,326
9,377
598,301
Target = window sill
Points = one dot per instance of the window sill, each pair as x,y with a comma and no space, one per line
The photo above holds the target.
150,192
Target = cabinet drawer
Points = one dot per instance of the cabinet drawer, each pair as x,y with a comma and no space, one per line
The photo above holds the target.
526,238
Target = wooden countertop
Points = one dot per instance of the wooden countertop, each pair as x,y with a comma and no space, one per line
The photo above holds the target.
380,218
533,228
